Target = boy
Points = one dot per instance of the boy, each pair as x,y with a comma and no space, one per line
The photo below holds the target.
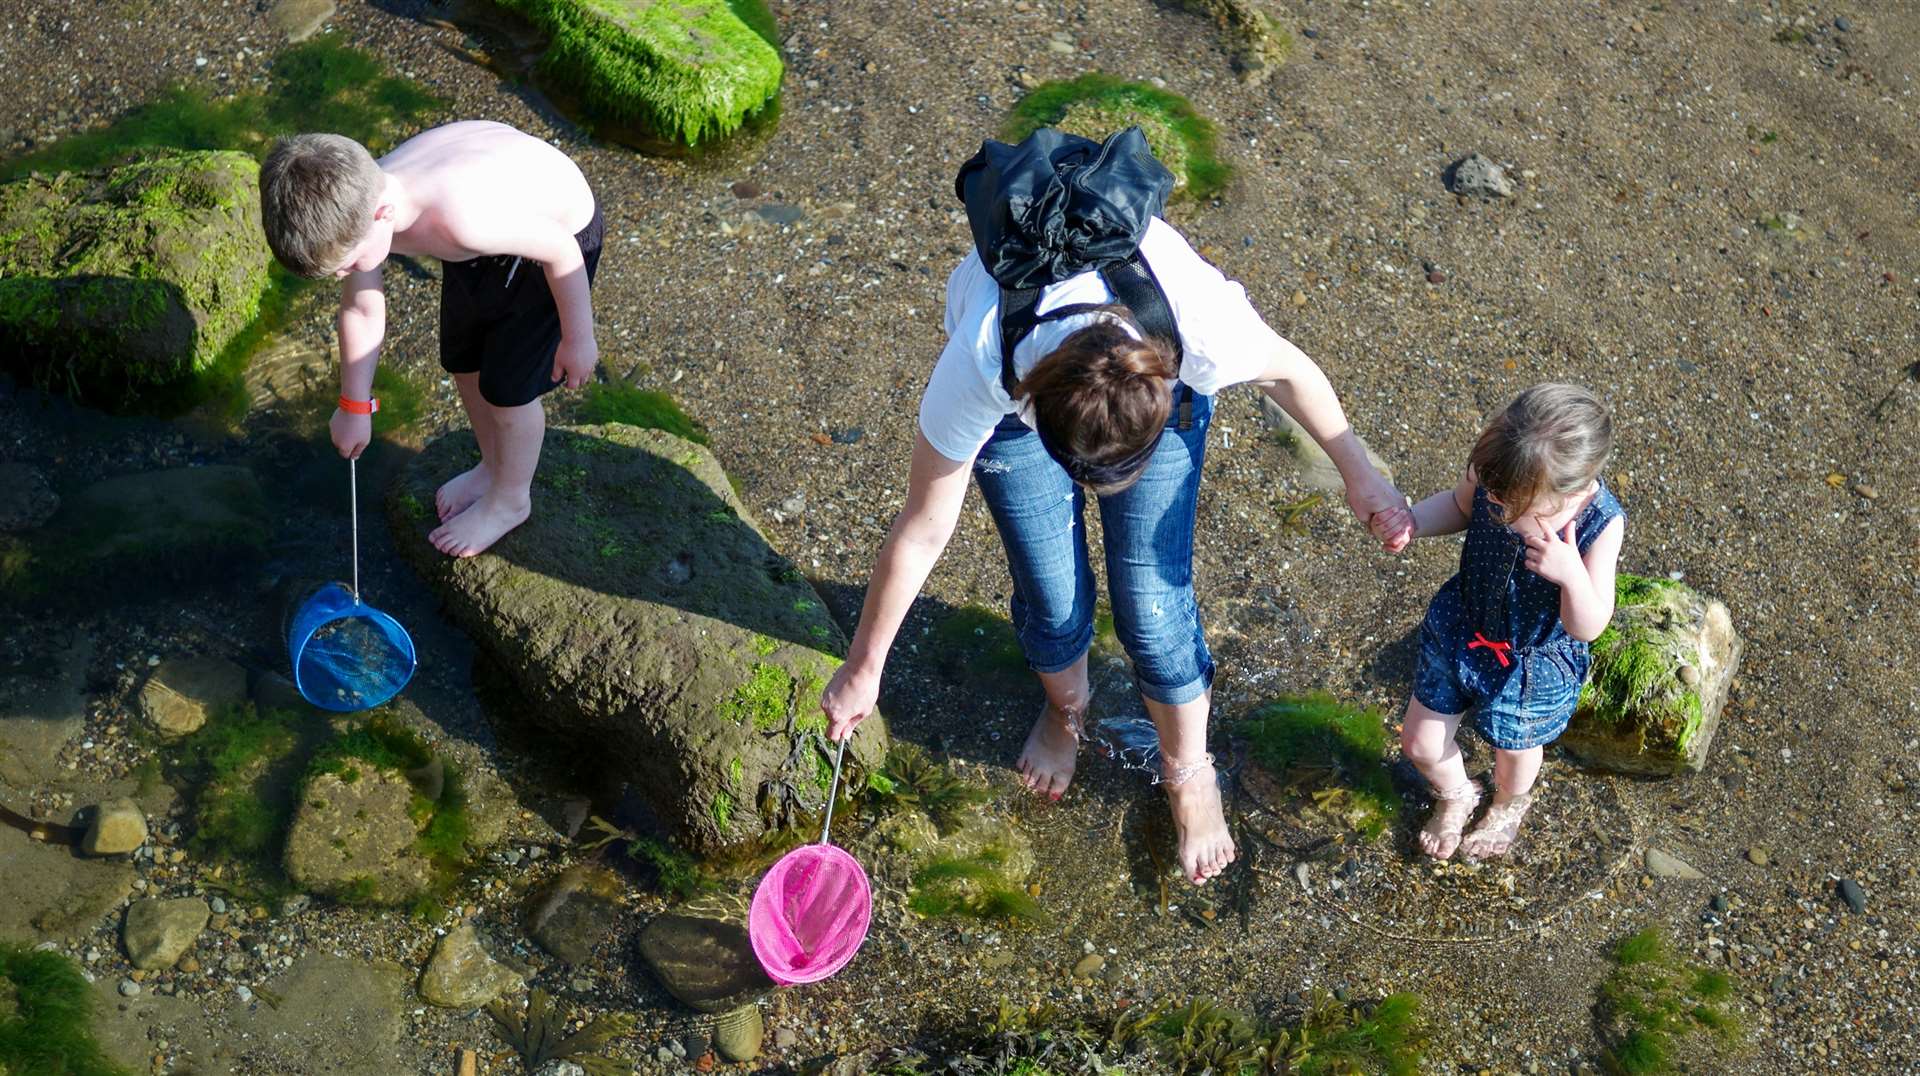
519,233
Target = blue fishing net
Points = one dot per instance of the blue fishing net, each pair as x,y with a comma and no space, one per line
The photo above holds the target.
347,655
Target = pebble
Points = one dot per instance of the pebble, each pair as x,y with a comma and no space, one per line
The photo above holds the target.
129,988
1855,897
1088,965
1300,874
1720,903
1299,298
218,905
244,993
785,1038
1436,277
1843,24
1866,492
1757,856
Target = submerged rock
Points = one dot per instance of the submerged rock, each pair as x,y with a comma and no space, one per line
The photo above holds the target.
571,917
1660,676
1316,467
683,70
738,1034
158,932
1663,864
706,963
183,692
298,19
1476,176
121,282
26,500
355,840
1255,41
645,619
462,976
117,828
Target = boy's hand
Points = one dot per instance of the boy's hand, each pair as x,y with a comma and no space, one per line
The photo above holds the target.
1556,557
850,696
1393,527
575,360
350,433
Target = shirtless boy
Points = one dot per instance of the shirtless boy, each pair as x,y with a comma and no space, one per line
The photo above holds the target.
517,228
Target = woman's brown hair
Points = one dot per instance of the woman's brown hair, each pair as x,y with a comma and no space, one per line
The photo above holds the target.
1102,398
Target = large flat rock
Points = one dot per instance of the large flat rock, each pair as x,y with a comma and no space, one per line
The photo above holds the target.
644,616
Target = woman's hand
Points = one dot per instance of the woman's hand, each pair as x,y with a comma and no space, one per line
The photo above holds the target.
850,696
1382,509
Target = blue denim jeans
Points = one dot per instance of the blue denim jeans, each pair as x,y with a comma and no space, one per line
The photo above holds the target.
1149,549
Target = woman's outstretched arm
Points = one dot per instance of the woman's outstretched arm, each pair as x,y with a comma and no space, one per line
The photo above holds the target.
936,488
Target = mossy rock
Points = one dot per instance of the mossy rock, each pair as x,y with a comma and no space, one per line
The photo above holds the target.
1660,676
644,615
1097,105
688,71
978,868
124,283
1255,40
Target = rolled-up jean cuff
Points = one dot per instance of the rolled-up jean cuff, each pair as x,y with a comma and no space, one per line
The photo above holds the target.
1178,694
1053,664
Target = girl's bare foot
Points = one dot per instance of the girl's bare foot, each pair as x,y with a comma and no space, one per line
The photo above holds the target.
473,531
1451,809
458,493
1053,745
1193,791
1496,832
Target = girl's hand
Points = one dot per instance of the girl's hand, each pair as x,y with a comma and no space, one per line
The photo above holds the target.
850,696
1393,527
1556,557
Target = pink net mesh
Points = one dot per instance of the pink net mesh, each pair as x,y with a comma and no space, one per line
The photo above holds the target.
810,914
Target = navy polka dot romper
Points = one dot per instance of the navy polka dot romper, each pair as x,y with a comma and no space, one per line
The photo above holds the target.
1492,641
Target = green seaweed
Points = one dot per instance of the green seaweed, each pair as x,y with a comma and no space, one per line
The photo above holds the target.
319,85
723,811
540,1035
690,72
1656,1006
973,641
242,764
1333,751
765,700
46,1012
442,814
676,873
1172,125
912,779
1636,662
646,409
401,401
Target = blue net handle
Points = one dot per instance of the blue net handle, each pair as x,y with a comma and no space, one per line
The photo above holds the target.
346,654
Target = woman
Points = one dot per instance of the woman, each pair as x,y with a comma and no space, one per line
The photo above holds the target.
1096,406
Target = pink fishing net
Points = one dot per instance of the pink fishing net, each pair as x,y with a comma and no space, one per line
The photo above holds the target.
810,914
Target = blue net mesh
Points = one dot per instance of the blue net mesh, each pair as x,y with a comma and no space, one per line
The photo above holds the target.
347,655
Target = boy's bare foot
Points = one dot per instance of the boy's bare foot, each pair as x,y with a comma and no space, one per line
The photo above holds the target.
457,494
1496,832
471,532
1193,791
1053,745
1451,809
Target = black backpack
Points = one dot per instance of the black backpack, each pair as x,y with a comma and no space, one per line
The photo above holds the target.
1055,206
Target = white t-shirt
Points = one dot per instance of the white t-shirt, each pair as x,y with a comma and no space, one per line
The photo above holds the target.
1224,340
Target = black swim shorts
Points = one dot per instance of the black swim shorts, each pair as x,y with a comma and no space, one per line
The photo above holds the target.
497,318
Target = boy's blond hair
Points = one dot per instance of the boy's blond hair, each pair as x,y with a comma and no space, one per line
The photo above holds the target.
1552,440
317,197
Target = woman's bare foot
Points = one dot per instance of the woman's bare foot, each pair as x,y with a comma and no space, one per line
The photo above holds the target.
473,531
1451,809
457,494
1495,834
1053,745
1193,791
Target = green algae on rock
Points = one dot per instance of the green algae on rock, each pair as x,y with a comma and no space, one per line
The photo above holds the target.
642,612
1096,105
1660,676
46,1010
1332,751
686,70
1255,40
128,281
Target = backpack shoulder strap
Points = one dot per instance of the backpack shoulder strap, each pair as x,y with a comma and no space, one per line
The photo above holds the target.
1017,319
1135,287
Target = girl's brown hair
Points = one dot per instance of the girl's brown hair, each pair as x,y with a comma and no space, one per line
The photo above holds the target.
1552,440
1103,395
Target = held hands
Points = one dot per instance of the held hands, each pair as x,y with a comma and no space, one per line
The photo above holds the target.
350,433
1382,509
575,359
1556,557
850,696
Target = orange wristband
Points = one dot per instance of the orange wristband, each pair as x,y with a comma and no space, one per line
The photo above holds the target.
360,407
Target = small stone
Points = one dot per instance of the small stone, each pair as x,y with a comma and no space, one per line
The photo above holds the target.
1475,175
1720,903
1688,675
1436,277
1865,492
219,905
188,965
785,1038
1299,298
1088,965
117,828
1301,875
184,691
129,988
1843,24
298,19
158,932
462,975
1663,864
745,188
244,993
739,1034
1855,897
1757,856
